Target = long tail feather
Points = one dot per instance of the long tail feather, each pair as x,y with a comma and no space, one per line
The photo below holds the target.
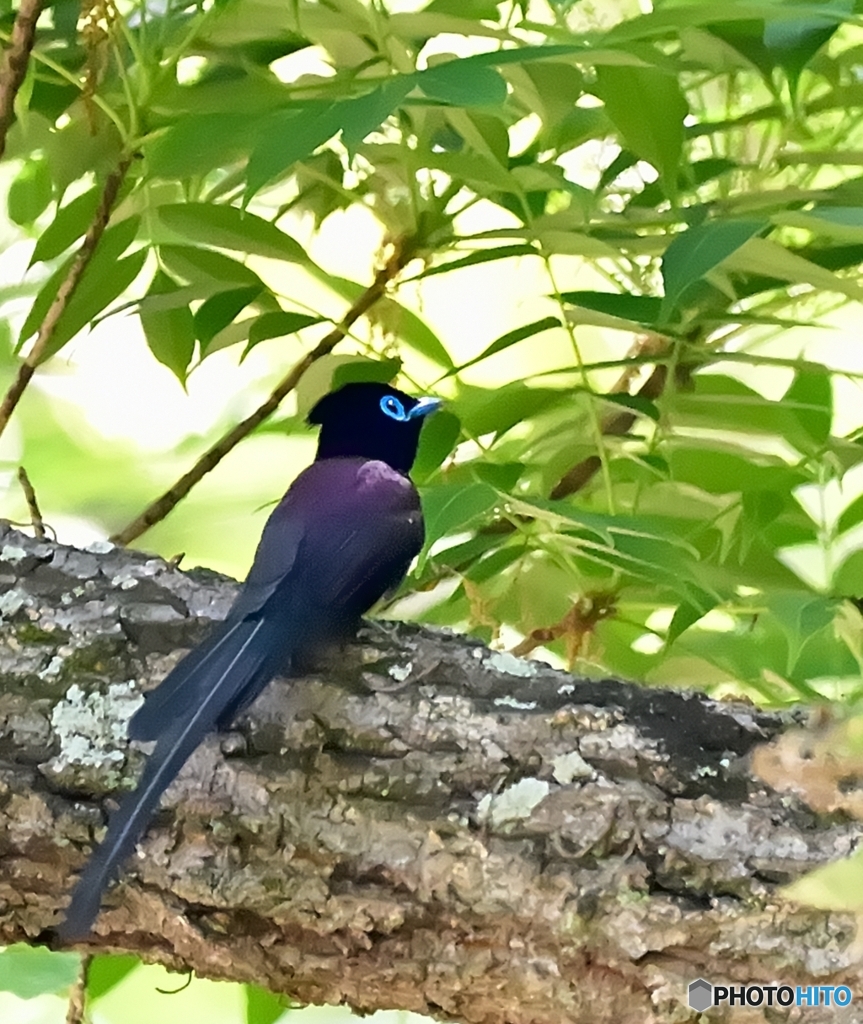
239,663
178,693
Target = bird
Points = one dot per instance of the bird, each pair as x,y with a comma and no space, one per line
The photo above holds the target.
343,535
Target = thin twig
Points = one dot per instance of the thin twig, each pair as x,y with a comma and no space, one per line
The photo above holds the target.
156,512
15,61
64,293
36,520
78,995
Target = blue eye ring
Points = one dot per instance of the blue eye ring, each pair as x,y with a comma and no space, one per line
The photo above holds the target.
392,407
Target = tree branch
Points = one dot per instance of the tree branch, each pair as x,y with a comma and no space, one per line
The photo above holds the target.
162,506
65,292
423,824
15,61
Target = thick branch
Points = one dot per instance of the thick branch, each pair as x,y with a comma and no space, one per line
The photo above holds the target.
15,61
162,506
424,824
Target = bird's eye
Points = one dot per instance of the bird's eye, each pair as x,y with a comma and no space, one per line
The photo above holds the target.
393,408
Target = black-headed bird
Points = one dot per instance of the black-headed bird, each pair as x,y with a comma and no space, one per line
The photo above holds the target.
343,535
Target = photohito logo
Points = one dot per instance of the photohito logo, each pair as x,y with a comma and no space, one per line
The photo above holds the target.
703,995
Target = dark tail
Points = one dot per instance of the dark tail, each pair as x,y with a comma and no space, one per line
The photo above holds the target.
217,681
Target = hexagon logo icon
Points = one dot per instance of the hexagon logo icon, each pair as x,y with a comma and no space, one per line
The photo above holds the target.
700,995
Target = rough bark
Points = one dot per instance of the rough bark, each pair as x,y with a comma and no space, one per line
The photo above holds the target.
424,824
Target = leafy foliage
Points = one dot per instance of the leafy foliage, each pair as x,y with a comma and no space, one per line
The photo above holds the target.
689,156
666,505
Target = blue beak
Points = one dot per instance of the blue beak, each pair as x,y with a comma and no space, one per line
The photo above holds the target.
423,407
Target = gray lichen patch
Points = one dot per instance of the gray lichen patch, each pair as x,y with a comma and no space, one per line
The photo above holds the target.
513,804
91,729
509,664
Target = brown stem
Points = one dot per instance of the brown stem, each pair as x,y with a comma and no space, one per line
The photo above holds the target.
15,63
64,293
156,512
76,1009
36,520
579,475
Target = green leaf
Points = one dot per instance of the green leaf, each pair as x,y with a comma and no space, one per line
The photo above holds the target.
366,113
695,252
203,266
636,403
291,135
331,371
395,319
170,333
848,576
106,972
451,509
718,402
69,224
30,192
278,325
263,1007
231,228
642,309
502,475
512,337
799,616
834,886
687,614
438,439
648,108
851,516
101,285
463,84
483,411
106,277
501,252
723,472
762,256
809,399
198,143
30,971
490,566
220,310
479,9
793,43
359,368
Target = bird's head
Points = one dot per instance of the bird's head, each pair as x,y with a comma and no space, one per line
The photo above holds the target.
371,421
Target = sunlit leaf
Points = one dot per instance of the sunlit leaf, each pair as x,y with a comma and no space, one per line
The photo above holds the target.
68,225
30,971
463,83
106,972
30,192
648,107
170,332
511,338
221,309
696,251
231,228
278,325
262,1006
448,509
502,252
